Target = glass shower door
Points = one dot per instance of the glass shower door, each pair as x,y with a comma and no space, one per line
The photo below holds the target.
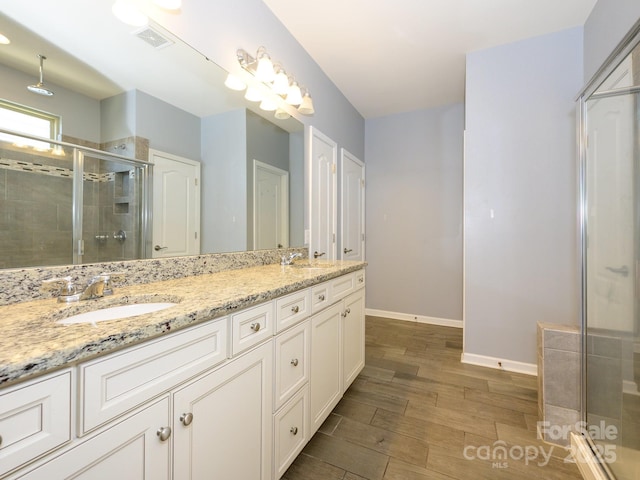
612,364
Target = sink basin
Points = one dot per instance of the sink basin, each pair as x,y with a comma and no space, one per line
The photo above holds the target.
116,313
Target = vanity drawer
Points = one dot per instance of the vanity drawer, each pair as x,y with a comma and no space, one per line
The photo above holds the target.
291,431
360,279
320,297
112,385
35,418
292,308
291,362
250,327
342,286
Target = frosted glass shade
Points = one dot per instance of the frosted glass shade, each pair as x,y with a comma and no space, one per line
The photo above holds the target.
253,94
306,107
234,83
127,12
294,96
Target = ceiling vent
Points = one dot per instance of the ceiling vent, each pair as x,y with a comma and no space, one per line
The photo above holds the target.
153,37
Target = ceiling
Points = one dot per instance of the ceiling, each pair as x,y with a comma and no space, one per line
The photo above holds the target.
396,56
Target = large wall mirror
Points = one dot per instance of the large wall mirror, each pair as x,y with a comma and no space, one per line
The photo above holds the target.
137,92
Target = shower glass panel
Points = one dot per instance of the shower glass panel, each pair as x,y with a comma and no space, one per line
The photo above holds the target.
63,204
611,254
112,211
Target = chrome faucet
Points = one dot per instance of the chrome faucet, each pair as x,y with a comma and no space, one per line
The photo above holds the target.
98,286
288,259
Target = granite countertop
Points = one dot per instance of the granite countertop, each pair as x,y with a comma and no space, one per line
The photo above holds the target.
33,343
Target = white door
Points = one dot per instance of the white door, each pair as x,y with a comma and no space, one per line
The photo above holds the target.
270,206
176,205
322,196
351,207
610,210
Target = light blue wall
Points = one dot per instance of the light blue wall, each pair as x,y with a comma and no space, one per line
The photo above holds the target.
168,128
224,172
607,24
414,212
80,114
520,193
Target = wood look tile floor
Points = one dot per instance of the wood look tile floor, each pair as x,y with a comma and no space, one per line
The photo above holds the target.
416,412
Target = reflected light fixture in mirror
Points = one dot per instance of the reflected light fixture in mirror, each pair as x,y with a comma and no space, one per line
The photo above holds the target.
253,94
274,76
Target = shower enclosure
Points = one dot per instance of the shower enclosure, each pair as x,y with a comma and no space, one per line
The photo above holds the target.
66,204
610,183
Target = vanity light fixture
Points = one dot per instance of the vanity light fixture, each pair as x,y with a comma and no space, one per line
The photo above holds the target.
268,104
274,76
282,114
253,94
4,40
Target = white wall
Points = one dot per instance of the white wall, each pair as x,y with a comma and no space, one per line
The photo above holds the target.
520,194
607,24
414,213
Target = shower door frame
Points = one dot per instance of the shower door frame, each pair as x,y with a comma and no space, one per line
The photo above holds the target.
624,48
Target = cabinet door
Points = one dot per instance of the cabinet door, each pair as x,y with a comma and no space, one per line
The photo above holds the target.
325,380
131,449
223,421
352,337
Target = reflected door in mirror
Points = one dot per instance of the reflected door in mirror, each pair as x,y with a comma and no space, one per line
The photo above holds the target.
176,205
271,209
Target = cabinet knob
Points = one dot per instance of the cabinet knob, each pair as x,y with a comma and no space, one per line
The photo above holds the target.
360,279
255,327
164,433
321,298
295,309
294,362
186,419
348,311
294,430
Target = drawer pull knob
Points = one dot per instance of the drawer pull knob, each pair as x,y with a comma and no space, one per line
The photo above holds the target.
164,433
294,430
321,298
294,362
186,419
255,327
295,309
360,280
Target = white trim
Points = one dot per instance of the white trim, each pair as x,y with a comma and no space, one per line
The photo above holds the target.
499,363
589,467
445,322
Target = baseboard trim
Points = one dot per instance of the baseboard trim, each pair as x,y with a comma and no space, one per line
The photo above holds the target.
589,466
500,363
407,317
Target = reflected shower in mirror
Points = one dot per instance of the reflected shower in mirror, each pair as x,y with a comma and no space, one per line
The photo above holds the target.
129,92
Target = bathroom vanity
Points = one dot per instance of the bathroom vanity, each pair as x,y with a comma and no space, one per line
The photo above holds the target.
229,383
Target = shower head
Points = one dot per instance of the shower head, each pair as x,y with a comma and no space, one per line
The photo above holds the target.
39,87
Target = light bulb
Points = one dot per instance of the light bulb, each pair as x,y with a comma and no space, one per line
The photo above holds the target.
264,71
294,96
306,107
282,114
268,104
281,83
4,40
128,13
253,94
234,83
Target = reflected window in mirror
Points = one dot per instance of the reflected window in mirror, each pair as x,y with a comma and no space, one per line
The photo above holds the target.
30,121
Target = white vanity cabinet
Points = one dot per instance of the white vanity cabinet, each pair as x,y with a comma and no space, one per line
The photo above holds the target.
233,397
222,421
35,418
130,449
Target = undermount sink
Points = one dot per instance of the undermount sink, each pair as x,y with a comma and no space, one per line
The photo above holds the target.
115,313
